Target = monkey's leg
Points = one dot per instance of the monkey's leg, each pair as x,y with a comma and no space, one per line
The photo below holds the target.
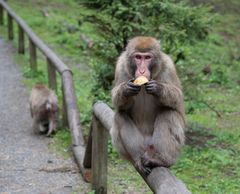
51,127
130,142
167,140
35,125
42,128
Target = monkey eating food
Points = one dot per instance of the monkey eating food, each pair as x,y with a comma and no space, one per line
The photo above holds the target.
148,127
44,109
140,80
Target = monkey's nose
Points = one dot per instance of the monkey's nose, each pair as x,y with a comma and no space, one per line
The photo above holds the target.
142,71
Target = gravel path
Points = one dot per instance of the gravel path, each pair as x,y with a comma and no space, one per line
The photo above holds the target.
26,164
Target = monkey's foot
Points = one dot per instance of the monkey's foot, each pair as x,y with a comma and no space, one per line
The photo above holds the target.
143,169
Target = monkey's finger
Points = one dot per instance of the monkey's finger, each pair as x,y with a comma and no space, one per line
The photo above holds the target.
131,93
133,85
151,82
146,162
133,88
146,171
150,89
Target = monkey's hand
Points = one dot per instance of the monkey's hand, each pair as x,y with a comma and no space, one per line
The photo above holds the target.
148,162
153,87
131,89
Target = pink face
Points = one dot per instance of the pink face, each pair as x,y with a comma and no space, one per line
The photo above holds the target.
142,61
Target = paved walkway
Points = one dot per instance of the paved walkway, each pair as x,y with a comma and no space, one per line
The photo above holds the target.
27,166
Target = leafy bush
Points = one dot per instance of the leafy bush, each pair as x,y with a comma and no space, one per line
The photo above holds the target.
176,24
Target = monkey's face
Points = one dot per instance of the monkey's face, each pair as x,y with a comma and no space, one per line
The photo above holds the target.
143,53
142,64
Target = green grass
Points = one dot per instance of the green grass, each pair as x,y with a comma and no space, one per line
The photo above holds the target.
61,143
210,162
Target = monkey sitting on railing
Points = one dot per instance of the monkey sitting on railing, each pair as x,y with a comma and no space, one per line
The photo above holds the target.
149,122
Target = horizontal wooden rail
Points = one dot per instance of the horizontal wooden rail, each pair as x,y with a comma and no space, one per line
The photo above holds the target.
160,181
54,64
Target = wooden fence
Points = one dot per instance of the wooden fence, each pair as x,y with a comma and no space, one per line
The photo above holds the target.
91,159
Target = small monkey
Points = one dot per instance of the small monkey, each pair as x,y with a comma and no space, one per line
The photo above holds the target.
149,122
44,109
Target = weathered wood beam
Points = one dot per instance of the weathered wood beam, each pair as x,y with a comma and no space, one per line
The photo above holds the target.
21,47
33,55
52,78
72,110
78,144
10,27
1,15
78,152
87,162
64,109
99,156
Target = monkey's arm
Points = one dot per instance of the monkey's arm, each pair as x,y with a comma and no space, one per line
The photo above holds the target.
168,94
122,94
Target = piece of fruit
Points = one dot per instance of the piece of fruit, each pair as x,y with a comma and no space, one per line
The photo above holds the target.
140,80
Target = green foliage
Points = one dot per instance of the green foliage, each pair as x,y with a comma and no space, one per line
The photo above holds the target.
30,73
61,142
112,152
173,22
176,24
103,75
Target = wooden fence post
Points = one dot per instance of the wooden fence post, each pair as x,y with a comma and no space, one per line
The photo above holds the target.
21,48
64,110
87,161
52,81
10,27
33,55
1,16
99,157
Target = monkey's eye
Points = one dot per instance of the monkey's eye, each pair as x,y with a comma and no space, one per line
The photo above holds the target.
148,57
138,57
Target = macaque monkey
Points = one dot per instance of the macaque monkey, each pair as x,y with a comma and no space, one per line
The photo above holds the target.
149,122
44,109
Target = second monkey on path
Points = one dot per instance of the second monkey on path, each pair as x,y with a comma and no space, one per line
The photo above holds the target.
44,109
149,121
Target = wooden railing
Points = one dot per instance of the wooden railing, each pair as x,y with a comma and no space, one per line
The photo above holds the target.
54,64
92,160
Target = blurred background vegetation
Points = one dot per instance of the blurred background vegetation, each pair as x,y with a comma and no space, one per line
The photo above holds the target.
201,36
